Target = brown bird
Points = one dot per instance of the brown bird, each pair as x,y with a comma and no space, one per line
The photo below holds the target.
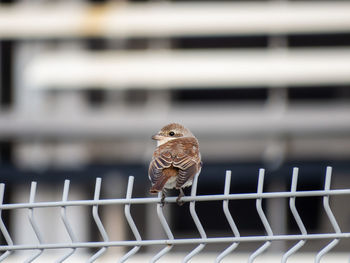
175,161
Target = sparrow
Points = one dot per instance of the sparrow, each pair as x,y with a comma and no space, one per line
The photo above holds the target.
175,161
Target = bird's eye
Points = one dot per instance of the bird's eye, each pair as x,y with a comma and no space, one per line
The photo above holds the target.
171,133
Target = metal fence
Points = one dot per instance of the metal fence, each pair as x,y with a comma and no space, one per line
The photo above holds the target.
232,242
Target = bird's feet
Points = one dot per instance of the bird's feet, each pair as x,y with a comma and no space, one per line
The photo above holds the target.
178,199
162,202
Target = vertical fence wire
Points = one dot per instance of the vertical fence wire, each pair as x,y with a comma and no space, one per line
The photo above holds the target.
33,222
65,221
98,222
196,221
130,221
296,216
229,218
263,218
330,216
3,228
166,229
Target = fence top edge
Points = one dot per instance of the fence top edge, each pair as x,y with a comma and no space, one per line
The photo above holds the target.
198,198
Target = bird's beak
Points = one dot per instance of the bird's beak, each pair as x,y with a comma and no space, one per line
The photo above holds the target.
156,137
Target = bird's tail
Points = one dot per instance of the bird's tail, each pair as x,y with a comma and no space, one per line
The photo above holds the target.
159,184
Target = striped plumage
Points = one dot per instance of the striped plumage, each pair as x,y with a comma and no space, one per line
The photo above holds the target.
176,160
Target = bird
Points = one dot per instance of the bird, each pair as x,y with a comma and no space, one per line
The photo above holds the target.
175,161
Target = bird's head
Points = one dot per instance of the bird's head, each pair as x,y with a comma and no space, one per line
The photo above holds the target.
170,132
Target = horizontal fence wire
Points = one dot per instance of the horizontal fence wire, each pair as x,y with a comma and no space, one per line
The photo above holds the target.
231,242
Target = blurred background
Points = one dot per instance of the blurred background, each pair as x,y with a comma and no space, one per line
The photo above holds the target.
85,84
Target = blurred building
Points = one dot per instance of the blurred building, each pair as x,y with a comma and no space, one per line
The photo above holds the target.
84,85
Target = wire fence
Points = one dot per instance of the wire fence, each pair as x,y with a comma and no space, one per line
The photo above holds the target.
232,241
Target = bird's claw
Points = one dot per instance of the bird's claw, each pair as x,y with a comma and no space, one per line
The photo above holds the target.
178,199
162,200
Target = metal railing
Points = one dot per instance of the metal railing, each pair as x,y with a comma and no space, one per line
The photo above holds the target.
233,241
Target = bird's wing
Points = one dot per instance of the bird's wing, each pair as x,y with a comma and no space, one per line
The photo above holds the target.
163,160
188,167
181,154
